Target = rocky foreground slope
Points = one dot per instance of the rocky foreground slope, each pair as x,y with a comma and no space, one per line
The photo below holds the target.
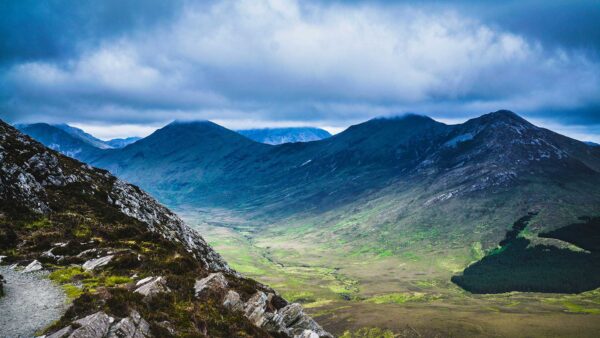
131,267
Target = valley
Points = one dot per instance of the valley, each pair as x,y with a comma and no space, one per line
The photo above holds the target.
408,294
396,226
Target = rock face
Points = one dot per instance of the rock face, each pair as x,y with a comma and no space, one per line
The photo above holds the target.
100,325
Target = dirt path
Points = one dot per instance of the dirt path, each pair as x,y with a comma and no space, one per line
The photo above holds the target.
31,302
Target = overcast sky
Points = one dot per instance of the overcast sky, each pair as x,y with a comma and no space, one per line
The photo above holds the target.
124,67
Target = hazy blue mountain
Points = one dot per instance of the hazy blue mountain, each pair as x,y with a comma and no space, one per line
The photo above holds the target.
82,135
285,135
593,144
58,139
122,142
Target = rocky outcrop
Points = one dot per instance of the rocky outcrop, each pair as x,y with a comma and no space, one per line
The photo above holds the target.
101,325
139,205
265,311
133,326
214,281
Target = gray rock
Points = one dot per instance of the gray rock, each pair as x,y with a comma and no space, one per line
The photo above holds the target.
153,286
307,334
144,281
254,309
214,281
92,326
33,266
233,302
62,333
297,322
133,326
97,262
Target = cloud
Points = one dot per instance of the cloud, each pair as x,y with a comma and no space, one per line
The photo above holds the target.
328,64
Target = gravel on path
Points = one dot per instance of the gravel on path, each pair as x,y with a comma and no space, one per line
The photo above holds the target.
31,302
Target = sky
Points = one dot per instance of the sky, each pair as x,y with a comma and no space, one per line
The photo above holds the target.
120,68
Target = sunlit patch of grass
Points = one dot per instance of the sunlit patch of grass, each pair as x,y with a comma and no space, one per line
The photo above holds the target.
366,332
65,275
72,291
112,281
300,296
401,298
577,308
39,224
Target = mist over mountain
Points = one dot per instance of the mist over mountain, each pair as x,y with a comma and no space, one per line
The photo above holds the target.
56,138
82,135
285,135
122,142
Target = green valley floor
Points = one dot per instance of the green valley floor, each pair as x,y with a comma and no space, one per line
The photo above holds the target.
371,293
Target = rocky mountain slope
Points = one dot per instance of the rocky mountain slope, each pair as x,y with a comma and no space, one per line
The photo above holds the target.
285,135
131,267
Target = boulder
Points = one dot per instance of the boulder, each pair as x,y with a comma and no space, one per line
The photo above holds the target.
97,262
100,325
307,334
62,333
214,282
152,286
254,309
133,326
92,326
33,266
298,323
233,302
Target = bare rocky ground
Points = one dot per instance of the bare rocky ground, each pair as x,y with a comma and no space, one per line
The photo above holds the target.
31,302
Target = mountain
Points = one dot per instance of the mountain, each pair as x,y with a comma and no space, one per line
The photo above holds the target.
56,138
593,144
498,158
130,266
82,135
285,135
122,142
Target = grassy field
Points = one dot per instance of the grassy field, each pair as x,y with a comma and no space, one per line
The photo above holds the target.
362,289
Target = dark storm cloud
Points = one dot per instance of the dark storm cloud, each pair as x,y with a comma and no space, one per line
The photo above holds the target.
56,29
292,62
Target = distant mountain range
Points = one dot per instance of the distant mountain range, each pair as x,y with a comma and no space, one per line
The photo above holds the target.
409,179
285,135
69,140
